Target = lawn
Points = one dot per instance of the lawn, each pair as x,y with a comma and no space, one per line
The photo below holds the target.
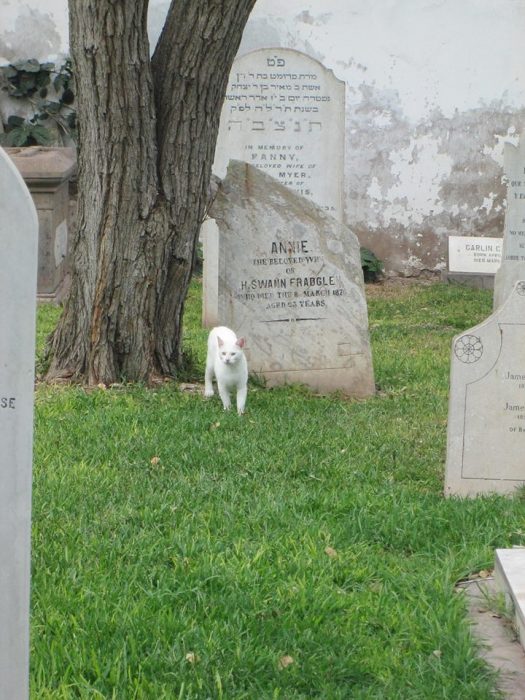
303,550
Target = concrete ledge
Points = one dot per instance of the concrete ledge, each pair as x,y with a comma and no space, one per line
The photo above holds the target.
509,575
469,279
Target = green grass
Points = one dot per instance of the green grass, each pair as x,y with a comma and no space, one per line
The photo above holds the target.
311,527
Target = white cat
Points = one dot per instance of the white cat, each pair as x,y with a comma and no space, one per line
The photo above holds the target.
227,362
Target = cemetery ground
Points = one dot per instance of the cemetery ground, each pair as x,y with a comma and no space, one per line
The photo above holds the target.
302,550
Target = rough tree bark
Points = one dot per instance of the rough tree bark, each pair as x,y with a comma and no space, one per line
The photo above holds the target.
147,134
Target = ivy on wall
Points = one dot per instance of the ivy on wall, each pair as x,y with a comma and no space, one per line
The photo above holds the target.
49,92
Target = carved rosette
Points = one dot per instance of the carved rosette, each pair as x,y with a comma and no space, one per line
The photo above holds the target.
468,349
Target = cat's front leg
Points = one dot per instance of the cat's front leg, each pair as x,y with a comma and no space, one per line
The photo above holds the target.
208,380
242,393
225,396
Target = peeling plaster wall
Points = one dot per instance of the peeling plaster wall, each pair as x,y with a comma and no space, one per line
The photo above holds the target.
433,88
33,30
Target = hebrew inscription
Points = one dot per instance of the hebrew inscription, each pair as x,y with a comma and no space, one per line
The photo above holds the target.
284,114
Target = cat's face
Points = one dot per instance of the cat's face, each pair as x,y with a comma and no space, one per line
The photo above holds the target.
230,353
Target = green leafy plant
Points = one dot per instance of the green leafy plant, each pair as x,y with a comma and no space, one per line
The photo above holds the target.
30,80
371,264
26,133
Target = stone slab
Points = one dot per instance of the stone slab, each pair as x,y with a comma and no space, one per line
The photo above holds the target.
284,113
475,255
467,279
290,281
509,573
18,273
512,267
209,235
46,172
498,646
486,420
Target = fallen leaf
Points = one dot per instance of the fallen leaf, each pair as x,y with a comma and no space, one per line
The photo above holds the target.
437,653
192,657
102,386
216,425
484,573
285,661
331,552
155,460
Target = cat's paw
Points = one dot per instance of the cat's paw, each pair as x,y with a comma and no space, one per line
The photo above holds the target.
208,393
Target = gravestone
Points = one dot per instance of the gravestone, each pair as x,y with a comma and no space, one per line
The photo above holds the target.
290,281
18,272
486,420
284,113
46,172
512,266
473,261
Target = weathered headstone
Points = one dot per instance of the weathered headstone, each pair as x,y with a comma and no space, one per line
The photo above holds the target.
284,113
18,272
512,266
290,280
486,420
46,172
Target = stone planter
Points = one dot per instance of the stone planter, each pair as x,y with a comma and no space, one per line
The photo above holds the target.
46,172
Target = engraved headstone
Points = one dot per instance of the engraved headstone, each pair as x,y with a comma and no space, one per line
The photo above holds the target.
290,280
18,274
486,420
474,255
512,266
284,113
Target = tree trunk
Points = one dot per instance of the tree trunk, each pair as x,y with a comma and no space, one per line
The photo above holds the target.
147,134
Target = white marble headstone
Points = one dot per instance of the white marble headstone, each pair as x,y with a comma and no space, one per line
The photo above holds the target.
512,266
474,255
284,113
290,280
486,420
18,274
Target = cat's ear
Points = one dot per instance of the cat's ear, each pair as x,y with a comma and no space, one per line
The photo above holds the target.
220,342
240,342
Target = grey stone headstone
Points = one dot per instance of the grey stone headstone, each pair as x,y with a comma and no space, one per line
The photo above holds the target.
512,266
486,420
18,274
284,113
290,280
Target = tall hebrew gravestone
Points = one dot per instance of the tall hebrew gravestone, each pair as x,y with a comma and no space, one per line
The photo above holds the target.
486,420
512,268
18,274
284,113
290,280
